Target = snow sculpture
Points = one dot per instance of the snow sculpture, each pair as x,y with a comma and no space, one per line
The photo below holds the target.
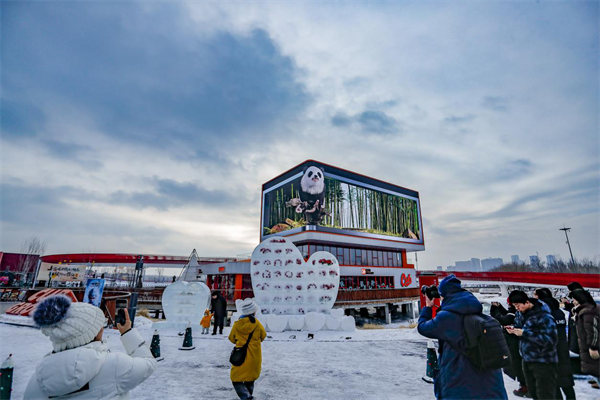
333,324
286,285
347,324
183,303
315,321
296,322
277,323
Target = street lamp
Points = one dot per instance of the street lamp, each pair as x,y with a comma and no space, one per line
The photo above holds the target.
568,244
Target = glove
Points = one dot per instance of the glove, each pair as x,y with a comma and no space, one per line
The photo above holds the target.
594,354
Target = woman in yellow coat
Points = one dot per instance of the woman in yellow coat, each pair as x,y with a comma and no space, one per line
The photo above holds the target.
243,377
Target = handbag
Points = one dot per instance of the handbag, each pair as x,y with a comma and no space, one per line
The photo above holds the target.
238,354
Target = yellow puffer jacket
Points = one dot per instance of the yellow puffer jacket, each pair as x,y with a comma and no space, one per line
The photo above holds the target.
205,322
250,370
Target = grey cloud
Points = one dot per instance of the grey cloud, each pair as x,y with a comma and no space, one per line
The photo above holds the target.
82,155
495,103
48,212
515,169
459,120
383,104
169,193
579,197
145,79
377,122
372,122
341,120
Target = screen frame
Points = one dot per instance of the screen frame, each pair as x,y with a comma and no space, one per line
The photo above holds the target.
347,177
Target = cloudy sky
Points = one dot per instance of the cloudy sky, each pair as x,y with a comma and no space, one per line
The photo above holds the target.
150,127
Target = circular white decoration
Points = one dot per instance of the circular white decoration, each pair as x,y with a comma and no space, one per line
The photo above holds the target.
314,321
332,324
296,322
184,302
348,324
285,284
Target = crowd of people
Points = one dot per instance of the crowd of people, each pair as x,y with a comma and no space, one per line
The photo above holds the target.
82,367
538,336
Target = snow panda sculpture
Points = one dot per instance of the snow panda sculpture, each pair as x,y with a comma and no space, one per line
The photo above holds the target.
312,195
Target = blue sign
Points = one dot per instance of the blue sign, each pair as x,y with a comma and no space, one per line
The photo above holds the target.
93,292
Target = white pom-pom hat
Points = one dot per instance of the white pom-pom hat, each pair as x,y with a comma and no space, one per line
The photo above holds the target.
76,324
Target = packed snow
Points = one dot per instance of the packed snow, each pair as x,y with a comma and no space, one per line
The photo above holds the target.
365,364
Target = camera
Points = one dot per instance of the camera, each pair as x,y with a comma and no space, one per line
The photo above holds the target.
430,291
121,310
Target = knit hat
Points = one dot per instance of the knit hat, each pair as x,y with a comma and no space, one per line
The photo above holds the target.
249,307
68,324
449,285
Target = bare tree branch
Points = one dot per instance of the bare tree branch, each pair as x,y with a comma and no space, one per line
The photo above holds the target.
31,248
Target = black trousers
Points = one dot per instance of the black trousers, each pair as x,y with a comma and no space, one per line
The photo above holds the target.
244,389
541,379
219,322
569,392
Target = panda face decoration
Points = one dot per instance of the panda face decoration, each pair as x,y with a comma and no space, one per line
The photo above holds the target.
313,181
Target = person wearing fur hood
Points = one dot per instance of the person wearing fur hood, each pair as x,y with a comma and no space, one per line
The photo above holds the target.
81,366
587,320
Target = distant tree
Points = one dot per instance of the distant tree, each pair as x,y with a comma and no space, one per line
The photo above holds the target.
583,266
31,249
160,272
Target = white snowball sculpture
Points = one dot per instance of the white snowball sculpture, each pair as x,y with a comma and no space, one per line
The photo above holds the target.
296,322
348,324
314,321
183,303
287,286
277,323
332,324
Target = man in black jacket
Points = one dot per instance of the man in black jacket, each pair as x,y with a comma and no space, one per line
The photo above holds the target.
565,376
218,305
506,318
571,327
536,327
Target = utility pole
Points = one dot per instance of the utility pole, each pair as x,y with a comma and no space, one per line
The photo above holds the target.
568,244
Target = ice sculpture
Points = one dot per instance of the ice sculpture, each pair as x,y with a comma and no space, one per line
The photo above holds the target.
286,285
183,303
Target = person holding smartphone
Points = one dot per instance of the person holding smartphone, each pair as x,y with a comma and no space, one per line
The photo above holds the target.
81,366
457,377
506,318
536,327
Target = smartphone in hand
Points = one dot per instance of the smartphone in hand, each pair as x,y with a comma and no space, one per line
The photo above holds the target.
121,310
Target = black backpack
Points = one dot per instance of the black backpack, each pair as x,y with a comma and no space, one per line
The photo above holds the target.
485,343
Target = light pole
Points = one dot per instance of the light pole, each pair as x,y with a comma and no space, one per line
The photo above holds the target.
568,244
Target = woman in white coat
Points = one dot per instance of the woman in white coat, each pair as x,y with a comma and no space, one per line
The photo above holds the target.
81,366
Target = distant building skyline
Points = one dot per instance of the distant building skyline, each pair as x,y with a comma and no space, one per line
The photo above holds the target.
534,260
491,263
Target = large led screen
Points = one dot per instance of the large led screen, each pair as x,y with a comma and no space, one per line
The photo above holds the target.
317,195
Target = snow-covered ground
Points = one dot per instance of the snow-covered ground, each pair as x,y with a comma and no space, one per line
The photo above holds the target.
366,364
